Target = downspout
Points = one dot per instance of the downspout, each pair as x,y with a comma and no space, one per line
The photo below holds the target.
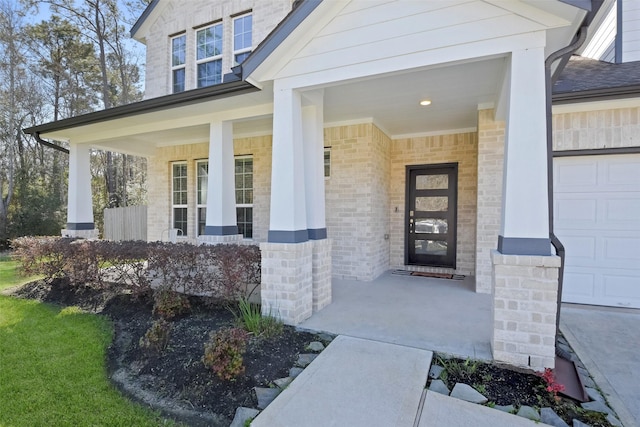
557,244
36,135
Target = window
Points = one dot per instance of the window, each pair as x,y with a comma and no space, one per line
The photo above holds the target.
209,55
244,195
202,181
242,27
327,162
179,197
178,56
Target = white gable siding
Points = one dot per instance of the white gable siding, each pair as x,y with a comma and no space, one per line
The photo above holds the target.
373,37
630,30
600,44
183,16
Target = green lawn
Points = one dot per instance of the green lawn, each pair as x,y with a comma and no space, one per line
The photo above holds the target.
52,367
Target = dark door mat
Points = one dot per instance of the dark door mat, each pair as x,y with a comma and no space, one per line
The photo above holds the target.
432,275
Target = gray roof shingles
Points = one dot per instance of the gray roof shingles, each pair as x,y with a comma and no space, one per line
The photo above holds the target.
590,76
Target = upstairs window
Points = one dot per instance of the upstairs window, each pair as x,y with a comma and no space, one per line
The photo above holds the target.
209,55
242,29
178,57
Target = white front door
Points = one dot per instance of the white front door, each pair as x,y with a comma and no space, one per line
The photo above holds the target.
597,218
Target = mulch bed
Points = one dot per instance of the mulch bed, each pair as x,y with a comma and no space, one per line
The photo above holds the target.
176,381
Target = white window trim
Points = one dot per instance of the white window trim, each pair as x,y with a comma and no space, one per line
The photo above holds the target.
208,58
185,233
181,66
246,49
199,205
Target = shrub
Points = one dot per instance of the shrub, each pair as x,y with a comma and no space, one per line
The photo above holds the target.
223,352
157,336
168,303
222,272
252,320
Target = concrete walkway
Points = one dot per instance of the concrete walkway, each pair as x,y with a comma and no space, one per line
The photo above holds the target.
607,341
356,382
433,314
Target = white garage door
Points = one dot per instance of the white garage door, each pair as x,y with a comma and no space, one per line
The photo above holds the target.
597,218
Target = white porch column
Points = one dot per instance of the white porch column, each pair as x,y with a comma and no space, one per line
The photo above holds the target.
313,136
221,222
286,289
80,205
525,215
524,273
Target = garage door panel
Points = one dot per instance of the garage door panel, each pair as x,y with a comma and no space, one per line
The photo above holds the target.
576,176
622,290
578,284
622,250
597,217
624,210
581,248
573,212
620,175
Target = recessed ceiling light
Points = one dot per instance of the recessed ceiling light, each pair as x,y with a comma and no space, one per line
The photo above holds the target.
425,102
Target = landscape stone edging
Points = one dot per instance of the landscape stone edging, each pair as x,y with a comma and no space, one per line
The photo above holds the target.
598,402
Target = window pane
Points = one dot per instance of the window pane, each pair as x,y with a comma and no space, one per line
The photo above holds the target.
244,217
431,247
178,50
432,182
210,73
209,42
178,80
203,181
180,220
202,220
327,163
431,225
241,57
242,32
432,204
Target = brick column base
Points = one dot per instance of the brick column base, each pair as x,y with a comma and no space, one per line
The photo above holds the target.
321,273
214,240
286,289
525,291
82,234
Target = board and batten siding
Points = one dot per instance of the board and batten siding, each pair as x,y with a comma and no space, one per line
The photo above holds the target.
630,30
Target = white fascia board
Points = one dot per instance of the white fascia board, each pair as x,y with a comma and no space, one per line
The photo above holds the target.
434,133
531,13
153,122
449,54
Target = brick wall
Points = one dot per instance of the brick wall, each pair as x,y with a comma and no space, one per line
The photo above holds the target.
612,128
489,206
461,148
357,200
159,184
184,15
524,309
367,182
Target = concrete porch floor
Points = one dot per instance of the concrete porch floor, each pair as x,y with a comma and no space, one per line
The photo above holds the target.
441,315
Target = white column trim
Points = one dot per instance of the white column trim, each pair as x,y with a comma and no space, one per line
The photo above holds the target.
313,137
221,203
525,222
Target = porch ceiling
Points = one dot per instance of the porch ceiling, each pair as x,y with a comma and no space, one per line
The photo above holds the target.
390,101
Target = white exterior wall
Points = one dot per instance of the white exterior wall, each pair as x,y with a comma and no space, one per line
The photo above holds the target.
630,30
180,16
